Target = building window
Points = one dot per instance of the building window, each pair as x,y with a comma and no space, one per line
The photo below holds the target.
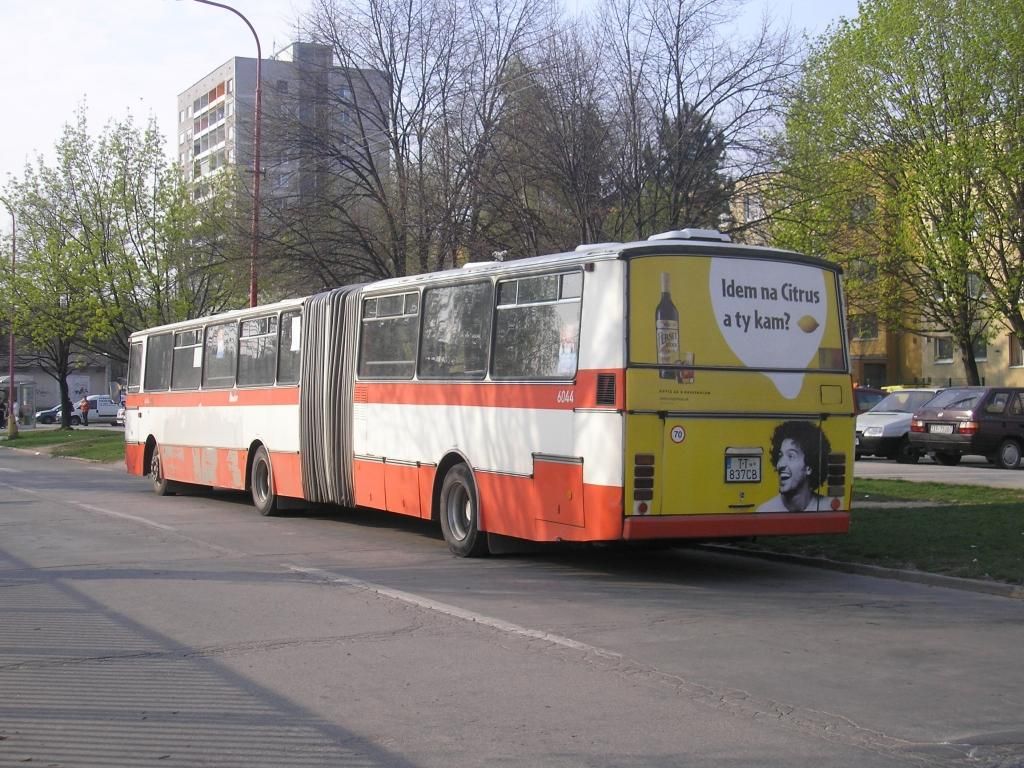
863,327
980,350
1016,352
282,86
753,209
944,350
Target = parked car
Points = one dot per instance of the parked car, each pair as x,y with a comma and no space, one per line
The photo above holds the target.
119,419
988,421
52,416
865,398
885,429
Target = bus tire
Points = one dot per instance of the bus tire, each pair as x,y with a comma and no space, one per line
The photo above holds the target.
460,513
261,483
161,485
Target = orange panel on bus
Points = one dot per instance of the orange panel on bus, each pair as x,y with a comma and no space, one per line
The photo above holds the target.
287,471
719,526
511,506
559,489
403,488
368,477
134,458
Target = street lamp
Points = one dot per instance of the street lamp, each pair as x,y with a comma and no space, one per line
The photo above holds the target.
12,417
255,155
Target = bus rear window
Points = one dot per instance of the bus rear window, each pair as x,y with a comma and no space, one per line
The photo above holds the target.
726,312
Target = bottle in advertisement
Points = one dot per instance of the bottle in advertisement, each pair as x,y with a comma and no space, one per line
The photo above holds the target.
666,325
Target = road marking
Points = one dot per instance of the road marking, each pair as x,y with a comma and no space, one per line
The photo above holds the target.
111,513
455,611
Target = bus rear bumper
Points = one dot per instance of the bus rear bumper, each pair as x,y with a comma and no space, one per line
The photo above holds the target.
733,526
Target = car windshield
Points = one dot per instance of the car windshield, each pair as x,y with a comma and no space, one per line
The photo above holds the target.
957,399
903,401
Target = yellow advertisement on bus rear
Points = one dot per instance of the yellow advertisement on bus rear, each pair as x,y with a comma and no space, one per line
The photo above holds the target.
738,392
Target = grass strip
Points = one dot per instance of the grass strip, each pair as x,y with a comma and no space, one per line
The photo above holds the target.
95,445
968,541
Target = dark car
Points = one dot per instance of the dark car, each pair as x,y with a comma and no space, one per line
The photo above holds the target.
866,398
988,421
52,416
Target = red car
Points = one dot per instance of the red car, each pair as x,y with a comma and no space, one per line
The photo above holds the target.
866,398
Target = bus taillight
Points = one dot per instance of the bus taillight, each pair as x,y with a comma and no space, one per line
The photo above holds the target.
643,482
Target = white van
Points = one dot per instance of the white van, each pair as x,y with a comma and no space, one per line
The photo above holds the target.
102,409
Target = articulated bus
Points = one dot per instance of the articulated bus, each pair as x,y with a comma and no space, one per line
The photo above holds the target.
682,387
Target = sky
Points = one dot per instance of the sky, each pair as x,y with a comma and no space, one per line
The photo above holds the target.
133,57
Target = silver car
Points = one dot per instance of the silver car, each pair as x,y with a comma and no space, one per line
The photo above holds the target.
884,430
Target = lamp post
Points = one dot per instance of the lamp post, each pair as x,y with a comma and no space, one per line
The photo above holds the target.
12,417
255,155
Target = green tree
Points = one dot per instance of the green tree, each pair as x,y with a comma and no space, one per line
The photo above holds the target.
111,241
911,107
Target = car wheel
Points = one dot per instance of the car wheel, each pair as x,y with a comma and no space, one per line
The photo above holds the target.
261,483
947,459
75,421
1008,456
161,485
906,453
460,514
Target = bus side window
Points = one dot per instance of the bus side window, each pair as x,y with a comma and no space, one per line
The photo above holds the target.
187,362
158,362
134,366
220,355
456,331
290,348
257,351
537,328
387,343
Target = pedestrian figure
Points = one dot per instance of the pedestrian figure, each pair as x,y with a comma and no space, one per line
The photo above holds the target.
83,406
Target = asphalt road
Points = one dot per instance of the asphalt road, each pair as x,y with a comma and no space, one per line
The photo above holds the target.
188,631
973,470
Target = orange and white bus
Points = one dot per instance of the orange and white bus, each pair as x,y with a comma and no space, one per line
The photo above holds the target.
682,387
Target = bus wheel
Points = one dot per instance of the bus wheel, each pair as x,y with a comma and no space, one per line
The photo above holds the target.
460,514
161,485
261,482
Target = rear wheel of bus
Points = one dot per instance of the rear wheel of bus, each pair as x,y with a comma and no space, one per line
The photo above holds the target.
261,483
460,513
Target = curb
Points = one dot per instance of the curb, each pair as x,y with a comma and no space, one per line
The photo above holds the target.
999,589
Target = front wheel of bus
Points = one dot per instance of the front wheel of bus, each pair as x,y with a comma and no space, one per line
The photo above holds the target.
261,483
460,517
161,485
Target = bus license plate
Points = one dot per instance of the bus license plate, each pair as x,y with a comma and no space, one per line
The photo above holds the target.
941,429
742,469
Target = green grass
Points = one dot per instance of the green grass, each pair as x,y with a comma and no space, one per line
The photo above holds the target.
90,444
970,531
